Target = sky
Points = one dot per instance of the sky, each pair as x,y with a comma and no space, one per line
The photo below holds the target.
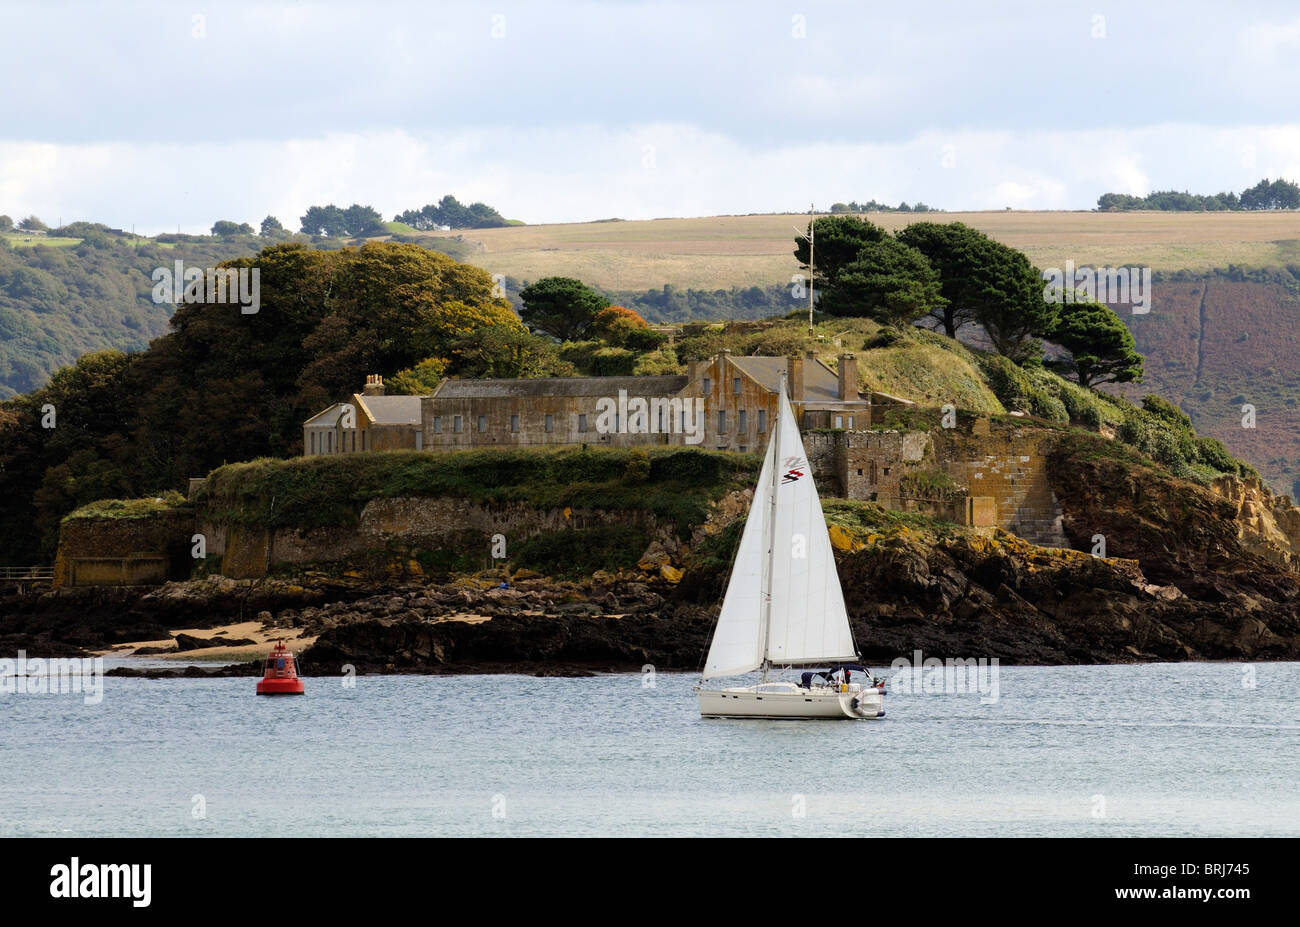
168,116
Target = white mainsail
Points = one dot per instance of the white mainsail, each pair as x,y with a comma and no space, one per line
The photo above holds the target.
784,548
809,623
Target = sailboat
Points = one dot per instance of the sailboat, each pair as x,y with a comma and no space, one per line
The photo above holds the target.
784,606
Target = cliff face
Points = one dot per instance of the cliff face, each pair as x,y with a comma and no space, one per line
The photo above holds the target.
1267,524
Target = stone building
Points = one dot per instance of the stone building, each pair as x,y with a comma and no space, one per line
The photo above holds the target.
724,403
369,421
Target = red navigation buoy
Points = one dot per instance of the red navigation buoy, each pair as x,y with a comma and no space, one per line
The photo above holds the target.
281,675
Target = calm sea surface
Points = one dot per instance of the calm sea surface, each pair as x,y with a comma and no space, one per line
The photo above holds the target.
1166,749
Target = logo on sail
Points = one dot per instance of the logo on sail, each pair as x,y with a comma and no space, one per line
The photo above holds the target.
794,469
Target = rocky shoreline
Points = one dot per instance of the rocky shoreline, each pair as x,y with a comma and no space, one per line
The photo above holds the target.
948,594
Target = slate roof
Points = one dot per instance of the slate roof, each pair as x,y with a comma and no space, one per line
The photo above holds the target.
392,410
820,383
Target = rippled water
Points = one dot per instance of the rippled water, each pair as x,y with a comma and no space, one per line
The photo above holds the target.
1169,749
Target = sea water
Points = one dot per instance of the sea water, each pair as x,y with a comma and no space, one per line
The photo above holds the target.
1151,750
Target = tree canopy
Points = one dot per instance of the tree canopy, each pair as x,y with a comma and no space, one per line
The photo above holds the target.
224,386
963,258
224,228
888,282
330,221
450,212
562,307
1102,349
836,242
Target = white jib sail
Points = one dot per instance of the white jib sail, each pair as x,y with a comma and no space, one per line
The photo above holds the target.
809,623
738,639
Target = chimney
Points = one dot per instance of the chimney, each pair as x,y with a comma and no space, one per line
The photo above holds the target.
849,377
794,377
374,385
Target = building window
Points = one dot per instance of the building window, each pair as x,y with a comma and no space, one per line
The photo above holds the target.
313,442
839,421
850,422
735,386
762,421
437,424
740,421
886,471
331,443
582,422
514,423
708,385
859,473
617,429
363,440
457,425
722,421
482,423
550,422
660,424
743,449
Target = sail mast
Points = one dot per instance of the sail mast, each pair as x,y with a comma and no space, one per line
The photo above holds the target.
770,525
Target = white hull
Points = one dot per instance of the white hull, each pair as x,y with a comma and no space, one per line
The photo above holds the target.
787,700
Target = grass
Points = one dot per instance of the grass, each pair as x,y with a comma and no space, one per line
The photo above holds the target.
23,240
170,501
725,251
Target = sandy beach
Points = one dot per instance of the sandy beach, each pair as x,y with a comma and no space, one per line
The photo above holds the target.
264,639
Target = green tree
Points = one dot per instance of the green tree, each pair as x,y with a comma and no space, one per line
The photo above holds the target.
271,228
965,260
888,282
363,221
420,380
1017,314
1101,346
33,224
837,241
325,221
561,307
1277,194
507,351
6,224
224,228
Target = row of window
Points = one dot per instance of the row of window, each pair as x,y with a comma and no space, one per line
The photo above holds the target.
325,444
742,422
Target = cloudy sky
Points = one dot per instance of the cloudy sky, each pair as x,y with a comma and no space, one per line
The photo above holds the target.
161,116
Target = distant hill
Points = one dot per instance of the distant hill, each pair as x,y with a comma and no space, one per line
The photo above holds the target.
64,297
1215,342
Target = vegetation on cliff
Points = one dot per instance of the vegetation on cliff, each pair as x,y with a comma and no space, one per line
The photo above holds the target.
675,485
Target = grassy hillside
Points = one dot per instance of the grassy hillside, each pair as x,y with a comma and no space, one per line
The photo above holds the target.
742,251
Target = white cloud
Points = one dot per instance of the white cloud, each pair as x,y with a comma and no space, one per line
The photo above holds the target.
584,172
